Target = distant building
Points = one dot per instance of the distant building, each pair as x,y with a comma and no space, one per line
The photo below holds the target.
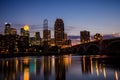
25,31
59,32
9,31
13,31
46,33
32,41
37,35
52,42
9,43
65,36
37,38
98,37
84,36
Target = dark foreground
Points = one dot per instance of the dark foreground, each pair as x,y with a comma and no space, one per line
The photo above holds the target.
60,67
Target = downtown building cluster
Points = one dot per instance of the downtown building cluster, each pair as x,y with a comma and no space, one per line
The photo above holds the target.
11,42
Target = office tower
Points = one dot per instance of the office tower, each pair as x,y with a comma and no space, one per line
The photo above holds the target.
85,36
7,29
25,31
37,38
59,32
13,31
46,32
37,35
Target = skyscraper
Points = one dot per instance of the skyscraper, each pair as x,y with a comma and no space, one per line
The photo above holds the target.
25,31
37,35
46,32
85,36
59,32
37,38
46,35
7,29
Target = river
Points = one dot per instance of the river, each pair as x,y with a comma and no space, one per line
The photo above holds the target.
66,67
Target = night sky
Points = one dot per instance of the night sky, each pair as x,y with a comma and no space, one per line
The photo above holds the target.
96,16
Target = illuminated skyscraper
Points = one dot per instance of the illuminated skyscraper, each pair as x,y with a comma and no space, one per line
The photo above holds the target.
7,29
25,31
59,32
46,32
46,35
85,36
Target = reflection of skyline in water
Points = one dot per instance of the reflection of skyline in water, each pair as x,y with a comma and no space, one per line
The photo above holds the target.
65,67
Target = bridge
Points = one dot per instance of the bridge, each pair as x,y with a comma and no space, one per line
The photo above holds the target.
104,46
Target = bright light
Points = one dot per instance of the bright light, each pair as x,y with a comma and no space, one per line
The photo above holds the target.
6,23
26,27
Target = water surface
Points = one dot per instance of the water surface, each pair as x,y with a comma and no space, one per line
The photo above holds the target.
66,67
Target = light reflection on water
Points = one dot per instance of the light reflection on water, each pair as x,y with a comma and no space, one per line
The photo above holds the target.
64,67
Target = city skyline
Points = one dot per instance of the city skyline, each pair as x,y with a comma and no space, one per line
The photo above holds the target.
95,16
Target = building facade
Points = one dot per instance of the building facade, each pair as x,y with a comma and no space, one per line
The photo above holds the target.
9,31
25,31
46,33
59,32
84,36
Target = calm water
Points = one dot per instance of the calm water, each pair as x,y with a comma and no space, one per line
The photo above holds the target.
65,67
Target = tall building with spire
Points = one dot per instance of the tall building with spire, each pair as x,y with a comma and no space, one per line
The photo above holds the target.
59,32
46,32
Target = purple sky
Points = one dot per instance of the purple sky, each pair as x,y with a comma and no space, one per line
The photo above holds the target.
96,16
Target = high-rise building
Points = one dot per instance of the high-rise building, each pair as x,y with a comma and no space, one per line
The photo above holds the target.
7,29
59,32
46,33
13,31
85,36
37,38
37,35
45,30
25,31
